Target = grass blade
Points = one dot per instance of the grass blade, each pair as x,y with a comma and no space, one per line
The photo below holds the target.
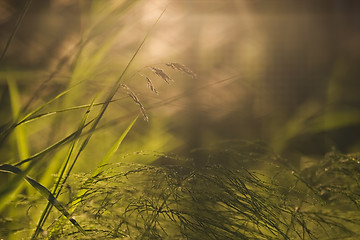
60,180
23,148
104,161
10,186
117,84
26,7
114,148
44,192
28,117
20,139
42,115
85,69
63,141
44,105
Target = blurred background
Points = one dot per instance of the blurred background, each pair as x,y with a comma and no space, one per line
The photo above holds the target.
284,73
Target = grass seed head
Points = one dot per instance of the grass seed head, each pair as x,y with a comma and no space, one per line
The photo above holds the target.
136,100
151,85
161,74
182,68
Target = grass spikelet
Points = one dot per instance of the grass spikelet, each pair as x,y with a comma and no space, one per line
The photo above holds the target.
161,74
136,100
151,85
182,68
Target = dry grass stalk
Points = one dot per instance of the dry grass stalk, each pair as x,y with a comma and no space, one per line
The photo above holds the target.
161,74
182,68
136,100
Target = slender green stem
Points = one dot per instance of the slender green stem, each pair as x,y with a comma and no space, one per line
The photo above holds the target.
8,43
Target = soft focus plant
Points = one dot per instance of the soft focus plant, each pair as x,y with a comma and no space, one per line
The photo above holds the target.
69,174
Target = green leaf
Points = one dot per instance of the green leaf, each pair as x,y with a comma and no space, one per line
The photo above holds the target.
21,139
114,148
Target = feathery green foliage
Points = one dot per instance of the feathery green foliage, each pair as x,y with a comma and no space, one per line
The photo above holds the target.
215,202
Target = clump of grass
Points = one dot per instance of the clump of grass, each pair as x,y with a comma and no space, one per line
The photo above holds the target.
77,140
336,179
228,197
179,201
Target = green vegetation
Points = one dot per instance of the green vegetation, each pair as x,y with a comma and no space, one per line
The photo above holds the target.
77,162
215,202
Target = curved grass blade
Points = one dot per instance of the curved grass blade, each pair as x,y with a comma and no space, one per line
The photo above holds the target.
5,133
44,192
42,115
65,140
9,188
44,105
20,135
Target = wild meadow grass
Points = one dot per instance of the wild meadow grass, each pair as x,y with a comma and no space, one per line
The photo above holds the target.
242,189
180,201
